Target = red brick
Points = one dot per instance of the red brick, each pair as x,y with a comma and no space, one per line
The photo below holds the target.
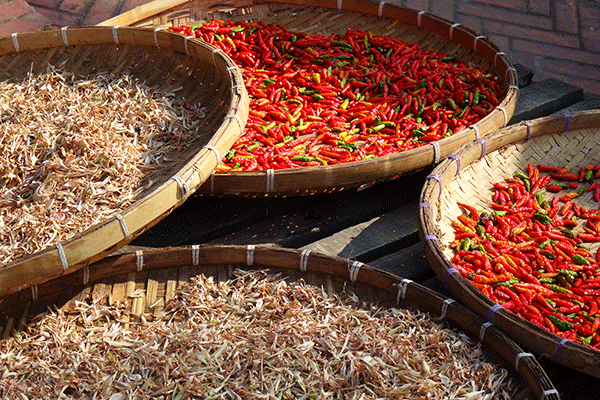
73,6
588,85
526,59
101,11
419,5
590,26
502,42
539,6
572,69
500,14
517,31
443,8
28,23
59,18
554,52
45,3
469,22
566,16
14,9
512,4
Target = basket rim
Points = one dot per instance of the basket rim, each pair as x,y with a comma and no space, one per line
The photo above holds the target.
319,179
553,347
299,262
123,226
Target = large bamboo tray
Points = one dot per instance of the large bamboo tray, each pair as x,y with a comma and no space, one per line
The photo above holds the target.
158,273
165,61
564,140
333,16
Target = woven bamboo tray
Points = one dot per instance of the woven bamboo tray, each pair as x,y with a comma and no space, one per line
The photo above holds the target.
159,273
163,60
334,16
467,176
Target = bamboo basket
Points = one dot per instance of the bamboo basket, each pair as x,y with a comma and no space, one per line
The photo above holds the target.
163,60
332,16
160,272
562,140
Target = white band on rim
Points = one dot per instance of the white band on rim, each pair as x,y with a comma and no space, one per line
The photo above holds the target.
115,34
121,220
380,9
339,5
86,274
63,32
270,180
185,43
475,40
139,259
250,254
237,118
436,152
419,18
183,186
549,392
156,36
509,70
452,29
237,86
500,53
232,67
505,114
62,256
34,293
402,289
444,308
482,330
215,150
354,268
514,87
15,41
304,259
215,51
476,129
518,358
195,255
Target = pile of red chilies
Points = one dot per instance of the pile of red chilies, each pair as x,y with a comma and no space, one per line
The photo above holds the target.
322,100
531,255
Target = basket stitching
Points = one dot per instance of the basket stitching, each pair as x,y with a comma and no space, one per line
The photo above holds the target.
15,42
195,255
402,286
457,159
270,179
528,130
500,53
250,254
213,148
437,178
452,29
419,18
476,129
354,268
115,34
63,32
449,272
62,256
444,308
548,392
505,114
483,146
380,9
183,186
139,260
475,40
436,152
237,118
492,312
518,358
560,349
304,259
121,220
482,330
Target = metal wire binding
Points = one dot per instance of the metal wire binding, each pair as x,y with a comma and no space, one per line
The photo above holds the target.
444,308
115,34
354,268
452,29
183,186
86,274
215,150
419,18
124,228
250,254
139,260
15,42
380,9
270,180
518,358
156,36
436,152
482,330
63,32
475,40
237,117
62,256
304,259
34,293
195,255
402,286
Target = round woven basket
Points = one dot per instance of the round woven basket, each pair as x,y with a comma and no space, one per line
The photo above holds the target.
164,61
332,16
468,176
158,273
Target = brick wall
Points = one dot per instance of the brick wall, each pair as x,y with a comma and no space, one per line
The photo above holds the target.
555,38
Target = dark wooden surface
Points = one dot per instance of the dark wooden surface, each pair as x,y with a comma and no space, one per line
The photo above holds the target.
376,225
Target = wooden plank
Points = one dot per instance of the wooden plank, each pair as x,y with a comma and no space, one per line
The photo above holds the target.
409,263
373,238
543,98
589,102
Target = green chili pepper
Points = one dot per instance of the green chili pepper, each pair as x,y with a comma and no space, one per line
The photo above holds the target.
568,272
367,43
230,154
317,97
581,260
294,38
449,58
476,97
237,165
543,218
452,104
547,280
253,146
589,175
465,244
546,243
441,83
559,289
560,324
420,85
588,340
303,158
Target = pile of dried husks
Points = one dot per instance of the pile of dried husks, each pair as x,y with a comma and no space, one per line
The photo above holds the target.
254,337
74,149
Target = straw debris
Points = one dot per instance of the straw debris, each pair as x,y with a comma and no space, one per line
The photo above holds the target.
256,336
75,149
